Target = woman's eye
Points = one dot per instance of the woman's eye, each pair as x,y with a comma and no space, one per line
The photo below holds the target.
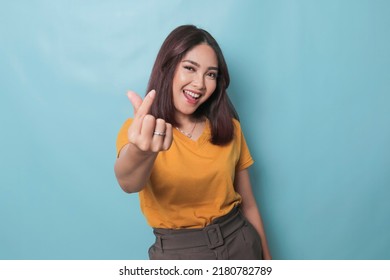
212,75
189,68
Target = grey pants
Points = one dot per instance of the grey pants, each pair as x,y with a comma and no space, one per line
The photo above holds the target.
230,237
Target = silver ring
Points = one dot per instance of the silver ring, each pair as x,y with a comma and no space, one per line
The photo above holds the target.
159,133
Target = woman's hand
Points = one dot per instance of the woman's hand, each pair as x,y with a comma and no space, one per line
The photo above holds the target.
148,134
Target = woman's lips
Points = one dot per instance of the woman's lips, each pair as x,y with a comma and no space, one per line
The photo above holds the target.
192,97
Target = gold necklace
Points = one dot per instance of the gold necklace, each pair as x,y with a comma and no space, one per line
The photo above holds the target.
189,135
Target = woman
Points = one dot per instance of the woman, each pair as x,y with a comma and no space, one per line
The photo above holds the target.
185,154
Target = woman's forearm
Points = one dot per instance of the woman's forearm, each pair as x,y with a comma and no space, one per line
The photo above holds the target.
133,168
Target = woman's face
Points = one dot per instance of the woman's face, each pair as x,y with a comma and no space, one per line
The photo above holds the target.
195,79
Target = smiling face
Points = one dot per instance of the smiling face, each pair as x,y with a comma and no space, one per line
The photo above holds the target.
195,80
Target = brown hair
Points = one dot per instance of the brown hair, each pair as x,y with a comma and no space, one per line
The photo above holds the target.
218,108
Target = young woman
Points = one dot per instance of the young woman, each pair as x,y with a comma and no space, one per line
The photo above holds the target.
185,153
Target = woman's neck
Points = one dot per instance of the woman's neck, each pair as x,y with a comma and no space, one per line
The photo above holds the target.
190,126
185,121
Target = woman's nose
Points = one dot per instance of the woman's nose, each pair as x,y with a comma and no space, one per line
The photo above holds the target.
198,81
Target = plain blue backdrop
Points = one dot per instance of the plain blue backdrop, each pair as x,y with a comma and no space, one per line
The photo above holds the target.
310,80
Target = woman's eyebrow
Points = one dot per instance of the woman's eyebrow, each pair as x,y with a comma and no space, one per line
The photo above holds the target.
198,65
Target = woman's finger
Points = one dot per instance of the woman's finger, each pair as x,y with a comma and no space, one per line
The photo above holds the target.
146,104
135,100
145,138
158,135
168,137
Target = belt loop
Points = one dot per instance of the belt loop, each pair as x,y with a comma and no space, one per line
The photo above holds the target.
242,217
160,243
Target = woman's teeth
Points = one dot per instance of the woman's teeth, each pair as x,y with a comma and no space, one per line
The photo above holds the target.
192,94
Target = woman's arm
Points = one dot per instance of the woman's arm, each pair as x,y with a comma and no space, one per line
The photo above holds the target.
249,208
147,137
133,168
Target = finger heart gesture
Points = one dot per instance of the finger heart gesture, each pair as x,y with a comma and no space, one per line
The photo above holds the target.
146,132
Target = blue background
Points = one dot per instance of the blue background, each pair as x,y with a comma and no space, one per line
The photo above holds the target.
310,80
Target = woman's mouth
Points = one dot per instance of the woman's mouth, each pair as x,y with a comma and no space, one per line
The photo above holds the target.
192,97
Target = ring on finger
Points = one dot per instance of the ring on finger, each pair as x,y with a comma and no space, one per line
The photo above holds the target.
159,133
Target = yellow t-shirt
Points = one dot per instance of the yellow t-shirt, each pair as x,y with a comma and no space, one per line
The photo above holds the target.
192,183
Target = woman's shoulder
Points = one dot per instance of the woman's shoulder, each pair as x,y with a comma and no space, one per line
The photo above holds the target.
236,124
125,126
127,122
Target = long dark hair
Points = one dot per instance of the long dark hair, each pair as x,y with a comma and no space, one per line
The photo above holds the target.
218,108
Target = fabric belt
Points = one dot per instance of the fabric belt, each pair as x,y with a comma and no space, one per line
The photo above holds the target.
212,235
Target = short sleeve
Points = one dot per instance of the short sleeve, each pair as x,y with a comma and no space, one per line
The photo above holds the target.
122,138
245,160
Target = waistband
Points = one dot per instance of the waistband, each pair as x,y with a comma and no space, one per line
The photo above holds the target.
211,236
